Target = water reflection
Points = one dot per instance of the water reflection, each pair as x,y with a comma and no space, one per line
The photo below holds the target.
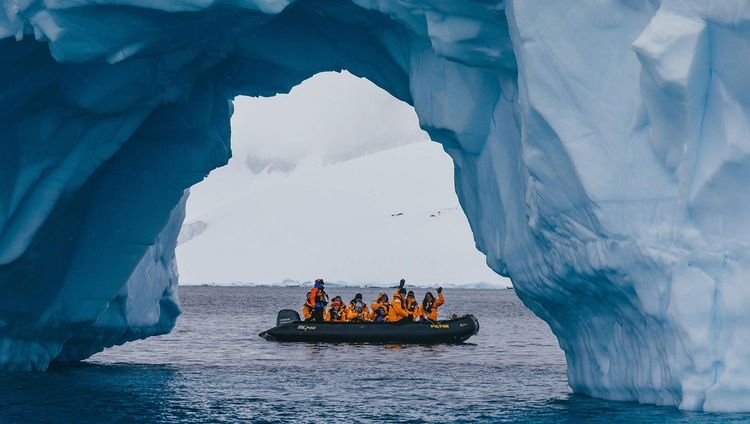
582,409
88,393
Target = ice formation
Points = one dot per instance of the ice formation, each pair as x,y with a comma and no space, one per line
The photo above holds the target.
601,152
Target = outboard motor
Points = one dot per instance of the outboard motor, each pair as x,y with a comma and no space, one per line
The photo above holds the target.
286,316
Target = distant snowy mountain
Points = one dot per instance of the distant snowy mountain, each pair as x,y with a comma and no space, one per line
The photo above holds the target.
346,284
334,179
369,220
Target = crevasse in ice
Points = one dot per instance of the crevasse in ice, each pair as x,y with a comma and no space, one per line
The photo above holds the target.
601,152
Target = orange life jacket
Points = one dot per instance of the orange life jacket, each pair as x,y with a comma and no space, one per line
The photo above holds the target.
335,316
353,315
398,309
308,307
412,307
432,312
376,306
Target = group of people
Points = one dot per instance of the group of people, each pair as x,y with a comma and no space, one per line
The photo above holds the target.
403,307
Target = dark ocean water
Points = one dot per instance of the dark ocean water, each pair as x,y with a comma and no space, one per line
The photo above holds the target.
214,368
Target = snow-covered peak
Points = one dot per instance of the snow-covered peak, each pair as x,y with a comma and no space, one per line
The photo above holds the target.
368,220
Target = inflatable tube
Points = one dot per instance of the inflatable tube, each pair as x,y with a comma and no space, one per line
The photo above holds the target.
453,331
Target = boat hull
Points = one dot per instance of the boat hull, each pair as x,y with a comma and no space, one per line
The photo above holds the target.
453,331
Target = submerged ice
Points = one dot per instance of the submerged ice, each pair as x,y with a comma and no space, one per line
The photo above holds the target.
601,151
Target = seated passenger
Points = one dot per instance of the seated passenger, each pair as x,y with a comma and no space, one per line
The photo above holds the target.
357,310
336,313
412,307
308,308
380,308
380,314
429,309
398,312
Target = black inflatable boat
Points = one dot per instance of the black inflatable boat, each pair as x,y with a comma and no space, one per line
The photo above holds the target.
289,328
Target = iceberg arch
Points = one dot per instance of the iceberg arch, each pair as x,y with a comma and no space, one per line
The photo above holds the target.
601,152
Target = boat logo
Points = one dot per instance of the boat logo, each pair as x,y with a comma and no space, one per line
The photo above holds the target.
439,326
306,327
463,325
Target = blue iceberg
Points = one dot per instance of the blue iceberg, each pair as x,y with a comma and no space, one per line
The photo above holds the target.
601,149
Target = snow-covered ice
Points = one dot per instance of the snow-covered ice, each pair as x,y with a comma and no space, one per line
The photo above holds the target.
348,187
601,153
370,220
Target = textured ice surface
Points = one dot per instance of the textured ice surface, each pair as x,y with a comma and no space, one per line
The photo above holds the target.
601,151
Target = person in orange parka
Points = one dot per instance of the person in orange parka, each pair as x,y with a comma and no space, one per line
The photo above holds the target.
380,308
320,300
412,306
429,308
357,310
308,307
336,312
398,312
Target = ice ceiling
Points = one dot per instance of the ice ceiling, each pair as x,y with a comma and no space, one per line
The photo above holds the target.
601,153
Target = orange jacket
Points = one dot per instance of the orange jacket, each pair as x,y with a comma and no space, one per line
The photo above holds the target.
331,315
433,314
375,306
318,296
352,315
412,307
308,307
398,311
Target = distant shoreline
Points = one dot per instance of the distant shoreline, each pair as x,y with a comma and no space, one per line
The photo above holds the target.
453,286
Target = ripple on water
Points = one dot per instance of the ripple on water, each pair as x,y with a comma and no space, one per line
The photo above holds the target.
214,368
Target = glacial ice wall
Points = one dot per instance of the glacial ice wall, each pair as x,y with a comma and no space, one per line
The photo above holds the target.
601,151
